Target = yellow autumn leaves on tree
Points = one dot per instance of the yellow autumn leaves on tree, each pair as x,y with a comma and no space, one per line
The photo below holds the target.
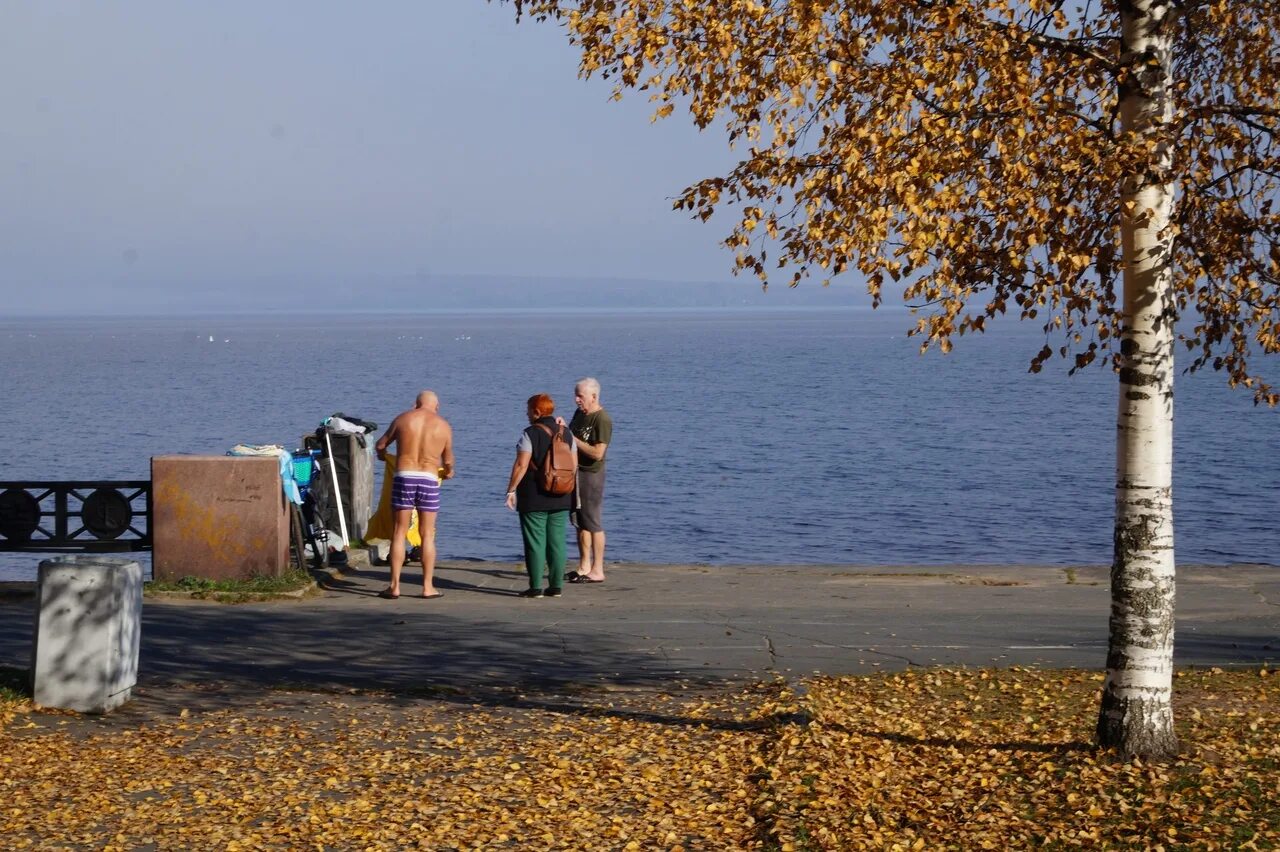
969,154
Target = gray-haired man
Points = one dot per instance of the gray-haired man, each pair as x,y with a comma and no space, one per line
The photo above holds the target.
593,430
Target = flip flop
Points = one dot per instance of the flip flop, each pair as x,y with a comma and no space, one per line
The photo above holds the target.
388,594
583,578
432,597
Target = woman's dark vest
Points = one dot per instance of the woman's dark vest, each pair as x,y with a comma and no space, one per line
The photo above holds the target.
529,496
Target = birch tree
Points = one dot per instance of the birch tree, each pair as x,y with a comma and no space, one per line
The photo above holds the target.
1106,169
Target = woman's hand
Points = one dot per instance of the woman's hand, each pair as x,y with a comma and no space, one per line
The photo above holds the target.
518,468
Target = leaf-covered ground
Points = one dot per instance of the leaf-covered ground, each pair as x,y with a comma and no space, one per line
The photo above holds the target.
921,760
616,771
1000,759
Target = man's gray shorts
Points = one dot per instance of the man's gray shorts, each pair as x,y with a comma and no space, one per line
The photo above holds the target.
588,517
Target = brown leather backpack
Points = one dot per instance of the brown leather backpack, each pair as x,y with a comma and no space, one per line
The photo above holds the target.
559,471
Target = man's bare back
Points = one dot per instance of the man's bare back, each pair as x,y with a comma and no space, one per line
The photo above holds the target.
424,449
423,439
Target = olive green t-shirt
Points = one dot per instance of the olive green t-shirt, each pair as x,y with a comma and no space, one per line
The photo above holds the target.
592,429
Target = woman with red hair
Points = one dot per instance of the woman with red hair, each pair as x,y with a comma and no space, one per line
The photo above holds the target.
543,515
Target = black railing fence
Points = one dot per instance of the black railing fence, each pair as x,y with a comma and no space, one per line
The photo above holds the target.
75,516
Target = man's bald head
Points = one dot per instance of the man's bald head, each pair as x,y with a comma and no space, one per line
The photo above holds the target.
428,400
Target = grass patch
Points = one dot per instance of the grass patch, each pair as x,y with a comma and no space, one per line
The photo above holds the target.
15,696
15,685
254,588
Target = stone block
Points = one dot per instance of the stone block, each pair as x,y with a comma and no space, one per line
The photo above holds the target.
218,517
88,631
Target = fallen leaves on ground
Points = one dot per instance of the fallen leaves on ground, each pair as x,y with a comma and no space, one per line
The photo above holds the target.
620,771
932,759
1002,759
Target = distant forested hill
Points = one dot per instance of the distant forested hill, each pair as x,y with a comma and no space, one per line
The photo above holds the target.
423,292
484,292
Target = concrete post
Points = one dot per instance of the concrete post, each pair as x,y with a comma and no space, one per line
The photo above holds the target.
88,631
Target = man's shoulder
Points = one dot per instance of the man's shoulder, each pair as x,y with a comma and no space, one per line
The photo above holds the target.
408,418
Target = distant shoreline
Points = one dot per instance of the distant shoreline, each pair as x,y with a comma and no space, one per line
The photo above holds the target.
285,312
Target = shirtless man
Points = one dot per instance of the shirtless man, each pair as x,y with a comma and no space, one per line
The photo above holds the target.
424,456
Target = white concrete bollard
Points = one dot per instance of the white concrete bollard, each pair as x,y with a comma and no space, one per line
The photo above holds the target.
88,631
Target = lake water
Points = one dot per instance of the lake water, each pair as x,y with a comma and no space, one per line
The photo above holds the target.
814,436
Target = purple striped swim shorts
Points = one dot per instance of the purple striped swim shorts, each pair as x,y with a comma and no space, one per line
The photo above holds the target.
415,490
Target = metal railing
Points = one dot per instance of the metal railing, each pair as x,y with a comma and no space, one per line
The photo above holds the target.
75,516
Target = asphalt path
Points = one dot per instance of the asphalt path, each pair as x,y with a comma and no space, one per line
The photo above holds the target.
650,625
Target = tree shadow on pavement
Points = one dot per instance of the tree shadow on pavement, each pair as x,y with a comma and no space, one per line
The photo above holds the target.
968,745
587,703
203,658
1209,649
386,649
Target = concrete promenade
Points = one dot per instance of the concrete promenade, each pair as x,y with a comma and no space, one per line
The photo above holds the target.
653,625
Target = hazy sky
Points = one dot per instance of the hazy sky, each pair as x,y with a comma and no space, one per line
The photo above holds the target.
151,147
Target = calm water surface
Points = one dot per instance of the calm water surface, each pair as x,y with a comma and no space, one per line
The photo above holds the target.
796,437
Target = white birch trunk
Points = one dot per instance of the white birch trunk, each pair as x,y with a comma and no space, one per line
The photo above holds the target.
1136,715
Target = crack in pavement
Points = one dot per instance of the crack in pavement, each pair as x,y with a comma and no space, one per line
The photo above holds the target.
816,643
773,652
906,660
564,643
